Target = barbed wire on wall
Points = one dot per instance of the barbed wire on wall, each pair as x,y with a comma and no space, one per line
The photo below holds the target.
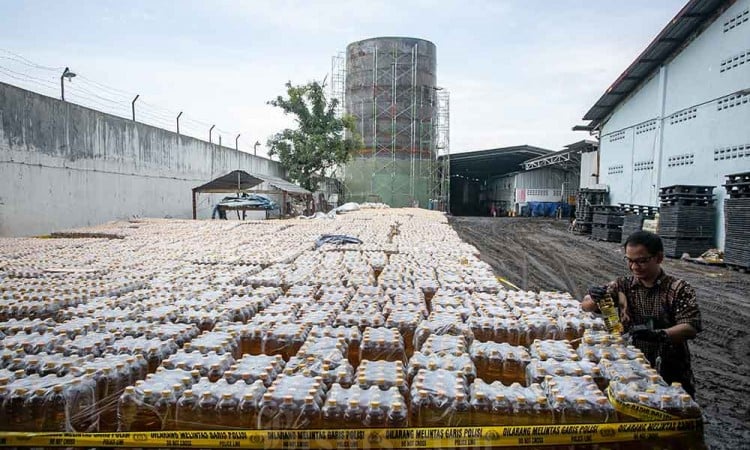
22,72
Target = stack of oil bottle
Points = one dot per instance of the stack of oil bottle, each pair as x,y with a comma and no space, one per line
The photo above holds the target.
395,333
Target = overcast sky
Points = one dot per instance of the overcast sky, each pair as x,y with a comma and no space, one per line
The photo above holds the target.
519,72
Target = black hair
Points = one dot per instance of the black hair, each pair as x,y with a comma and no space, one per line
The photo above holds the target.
651,241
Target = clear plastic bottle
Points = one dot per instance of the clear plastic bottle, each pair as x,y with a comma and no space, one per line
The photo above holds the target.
36,405
268,410
481,409
610,314
502,410
309,416
163,408
353,413
226,411
375,417
460,411
398,416
206,411
56,410
333,414
288,413
247,412
185,411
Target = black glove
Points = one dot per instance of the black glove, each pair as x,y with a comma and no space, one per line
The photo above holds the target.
645,333
597,293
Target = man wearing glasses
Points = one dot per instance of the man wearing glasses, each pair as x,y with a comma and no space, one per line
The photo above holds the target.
659,311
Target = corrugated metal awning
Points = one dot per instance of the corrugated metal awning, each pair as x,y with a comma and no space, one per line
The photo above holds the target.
240,180
669,41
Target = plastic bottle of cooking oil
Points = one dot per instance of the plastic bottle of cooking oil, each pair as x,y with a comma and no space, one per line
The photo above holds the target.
419,406
268,410
35,405
481,409
333,414
309,416
353,413
206,411
375,416
226,411
502,410
163,408
185,411
397,416
56,410
609,312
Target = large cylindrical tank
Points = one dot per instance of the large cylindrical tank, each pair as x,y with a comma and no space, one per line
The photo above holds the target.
391,93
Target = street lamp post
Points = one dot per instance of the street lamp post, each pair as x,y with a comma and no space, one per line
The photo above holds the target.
255,148
66,74
132,105
210,131
236,142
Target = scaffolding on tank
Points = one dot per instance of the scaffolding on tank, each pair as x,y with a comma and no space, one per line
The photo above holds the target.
399,123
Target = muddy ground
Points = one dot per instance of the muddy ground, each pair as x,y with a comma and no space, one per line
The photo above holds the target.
535,253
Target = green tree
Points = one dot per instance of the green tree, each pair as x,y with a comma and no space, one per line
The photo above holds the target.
320,142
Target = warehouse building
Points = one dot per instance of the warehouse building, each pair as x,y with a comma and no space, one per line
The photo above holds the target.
680,113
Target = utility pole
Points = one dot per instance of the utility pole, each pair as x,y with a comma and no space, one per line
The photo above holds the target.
178,122
210,130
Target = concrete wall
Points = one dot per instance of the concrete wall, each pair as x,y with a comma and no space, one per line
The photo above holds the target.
63,165
687,124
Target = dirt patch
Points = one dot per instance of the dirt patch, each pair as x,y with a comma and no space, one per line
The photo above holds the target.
536,253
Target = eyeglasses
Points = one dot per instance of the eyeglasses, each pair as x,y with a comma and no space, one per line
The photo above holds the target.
638,262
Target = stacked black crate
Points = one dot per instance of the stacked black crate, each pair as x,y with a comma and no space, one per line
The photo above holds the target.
607,223
634,217
586,199
687,219
737,221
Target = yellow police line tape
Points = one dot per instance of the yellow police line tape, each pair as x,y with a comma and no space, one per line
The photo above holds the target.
505,436
640,412
505,281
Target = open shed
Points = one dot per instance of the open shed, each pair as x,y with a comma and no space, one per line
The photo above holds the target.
238,181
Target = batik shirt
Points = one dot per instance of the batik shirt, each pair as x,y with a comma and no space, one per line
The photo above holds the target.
670,301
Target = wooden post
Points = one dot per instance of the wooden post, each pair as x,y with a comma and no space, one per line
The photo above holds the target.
195,213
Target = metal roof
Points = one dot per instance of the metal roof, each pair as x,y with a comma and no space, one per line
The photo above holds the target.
240,180
667,43
566,158
492,162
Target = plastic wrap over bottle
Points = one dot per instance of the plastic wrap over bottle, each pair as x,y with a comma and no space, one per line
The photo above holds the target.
204,363
672,399
578,400
284,339
292,402
444,344
461,363
382,344
440,398
218,341
406,322
382,374
598,352
49,403
358,407
442,324
34,342
551,349
538,370
26,325
626,370
500,362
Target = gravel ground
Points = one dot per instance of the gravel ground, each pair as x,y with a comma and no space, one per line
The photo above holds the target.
536,253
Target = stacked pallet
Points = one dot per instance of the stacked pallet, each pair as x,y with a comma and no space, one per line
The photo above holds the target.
607,223
737,221
586,199
687,219
634,217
